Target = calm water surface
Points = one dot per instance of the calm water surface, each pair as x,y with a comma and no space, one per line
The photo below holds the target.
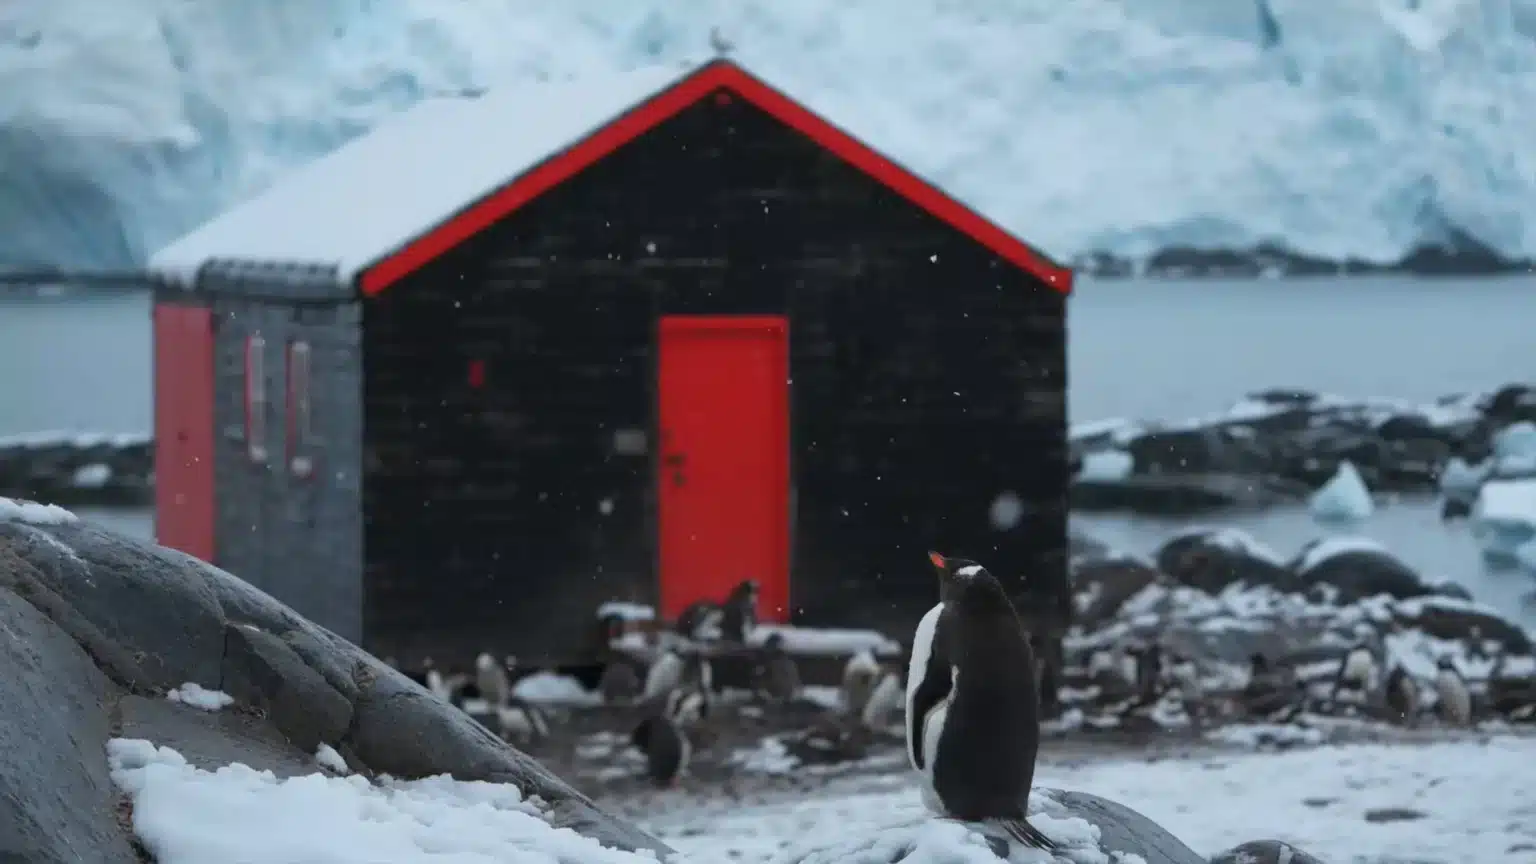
1162,349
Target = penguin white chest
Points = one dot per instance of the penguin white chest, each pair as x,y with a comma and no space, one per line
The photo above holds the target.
1359,669
917,668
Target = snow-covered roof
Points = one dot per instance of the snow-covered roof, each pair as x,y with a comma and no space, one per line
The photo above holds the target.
363,200
358,207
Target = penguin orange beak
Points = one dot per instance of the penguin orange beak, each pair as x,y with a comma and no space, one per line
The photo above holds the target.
937,559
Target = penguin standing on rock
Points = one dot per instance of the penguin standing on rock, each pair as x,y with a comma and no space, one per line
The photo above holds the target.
1357,673
491,678
778,677
973,712
1455,700
884,700
1401,696
738,614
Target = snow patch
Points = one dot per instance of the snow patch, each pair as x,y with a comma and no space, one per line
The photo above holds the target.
327,757
1332,547
549,688
1344,498
185,815
626,611
1107,466
828,640
34,513
195,695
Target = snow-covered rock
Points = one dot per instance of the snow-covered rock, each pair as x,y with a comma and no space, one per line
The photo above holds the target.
1107,465
1344,498
34,513
1514,450
1504,518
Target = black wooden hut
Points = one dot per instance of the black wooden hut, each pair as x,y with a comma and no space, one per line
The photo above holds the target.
503,359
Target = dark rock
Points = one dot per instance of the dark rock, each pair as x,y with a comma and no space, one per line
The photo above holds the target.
130,603
56,707
1184,494
1450,618
402,730
1265,852
1102,586
155,602
1122,829
1511,404
1353,574
1211,560
261,671
212,739
1394,814
1454,590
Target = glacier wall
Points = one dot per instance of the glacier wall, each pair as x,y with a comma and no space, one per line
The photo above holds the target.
1333,128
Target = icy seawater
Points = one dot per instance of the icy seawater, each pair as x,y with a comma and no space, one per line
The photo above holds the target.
1141,349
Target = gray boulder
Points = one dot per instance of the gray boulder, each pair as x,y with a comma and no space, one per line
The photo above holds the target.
102,626
1265,852
1120,829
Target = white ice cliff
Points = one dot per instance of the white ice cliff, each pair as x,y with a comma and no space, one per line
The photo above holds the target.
1347,128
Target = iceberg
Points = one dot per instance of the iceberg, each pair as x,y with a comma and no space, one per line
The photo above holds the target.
1344,498
1514,450
1356,129
1504,520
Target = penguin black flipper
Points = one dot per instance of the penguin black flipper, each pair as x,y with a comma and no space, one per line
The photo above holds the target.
934,688
1020,830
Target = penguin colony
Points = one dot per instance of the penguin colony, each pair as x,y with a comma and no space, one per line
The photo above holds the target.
970,719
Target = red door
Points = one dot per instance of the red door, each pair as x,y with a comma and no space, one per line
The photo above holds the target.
184,502
723,467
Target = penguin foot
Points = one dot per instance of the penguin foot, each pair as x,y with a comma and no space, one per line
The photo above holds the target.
1029,835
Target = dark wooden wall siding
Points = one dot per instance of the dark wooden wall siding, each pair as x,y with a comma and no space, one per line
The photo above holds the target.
927,380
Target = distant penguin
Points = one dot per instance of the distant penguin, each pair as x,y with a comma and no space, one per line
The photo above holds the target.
686,706
664,676
432,678
884,701
738,614
1357,673
701,621
1113,673
778,677
1149,674
832,741
860,675
491,678
666,749
1454,703
973,703
1401,695
1271,693
619,683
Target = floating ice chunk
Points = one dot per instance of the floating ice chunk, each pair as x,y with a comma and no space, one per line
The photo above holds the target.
195,695
1514,450
1107,465
1344,498
34,513
1460,481
1504,518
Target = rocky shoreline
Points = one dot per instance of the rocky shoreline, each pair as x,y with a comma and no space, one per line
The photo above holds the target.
1270,448
1276,447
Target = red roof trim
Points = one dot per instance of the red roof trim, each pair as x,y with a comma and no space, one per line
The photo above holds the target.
717,75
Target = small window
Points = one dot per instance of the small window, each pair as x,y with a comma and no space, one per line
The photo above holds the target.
256,398
300,411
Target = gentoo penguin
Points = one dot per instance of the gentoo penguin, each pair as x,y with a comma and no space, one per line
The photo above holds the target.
860,675
884,701
1272,693
1113,673
619,683
1401,696
664,676
778,677
1455,700
701,621
973,703
738,614
1357,673
666,749
491,678
686,706
1149,674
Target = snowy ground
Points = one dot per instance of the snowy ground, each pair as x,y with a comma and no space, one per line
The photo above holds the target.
1477,799
1469,802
